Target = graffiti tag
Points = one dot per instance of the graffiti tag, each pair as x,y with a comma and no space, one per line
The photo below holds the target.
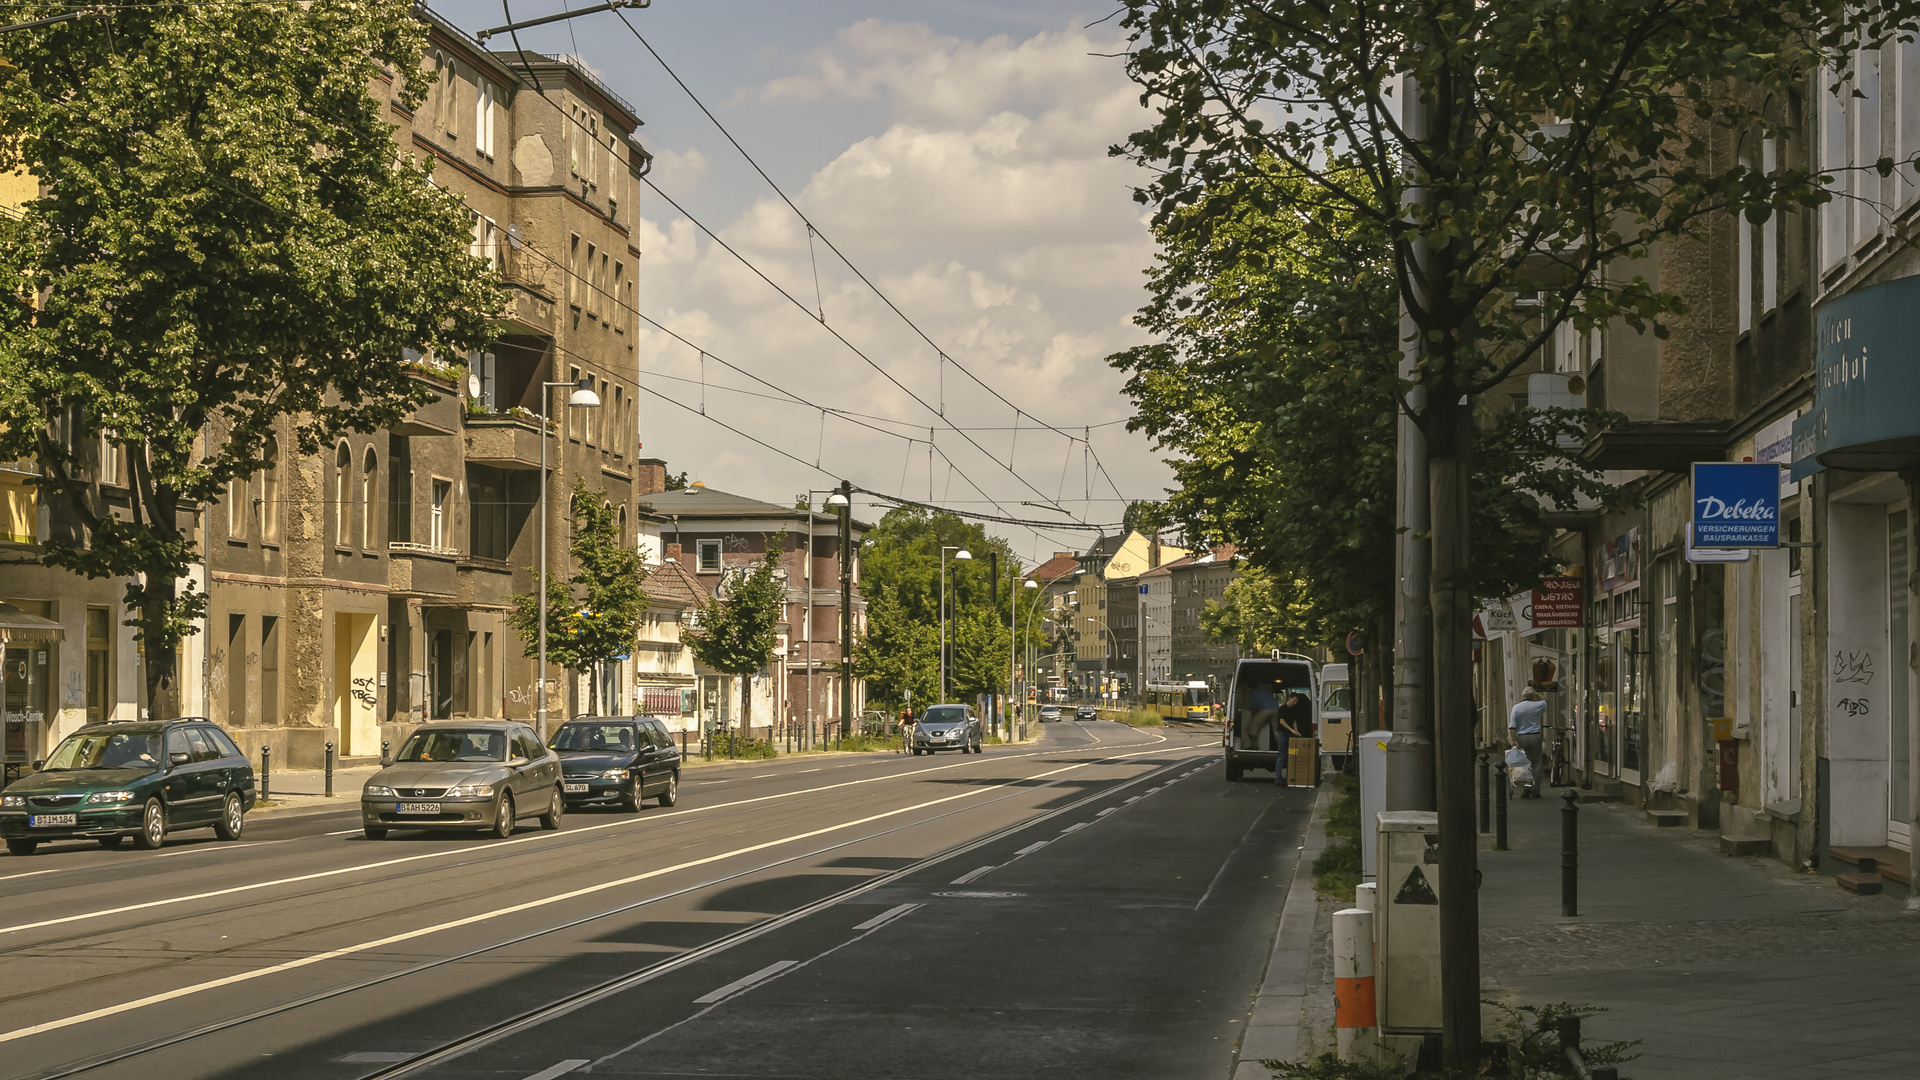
1853,667
363,692
1852,706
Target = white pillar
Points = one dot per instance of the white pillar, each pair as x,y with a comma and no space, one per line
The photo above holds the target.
1353,1010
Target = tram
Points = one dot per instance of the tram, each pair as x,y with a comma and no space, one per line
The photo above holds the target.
1180,700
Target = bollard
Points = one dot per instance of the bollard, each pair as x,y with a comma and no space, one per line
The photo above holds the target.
1486,796
266,772
1570,853
1500,809
386,753
329,770
1353,1003
1364,894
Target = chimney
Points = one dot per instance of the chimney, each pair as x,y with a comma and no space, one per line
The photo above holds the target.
672,553
649,476
1153,552
1063,554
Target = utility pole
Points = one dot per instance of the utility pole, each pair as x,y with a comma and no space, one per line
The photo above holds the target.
846,607
1409,752
993,604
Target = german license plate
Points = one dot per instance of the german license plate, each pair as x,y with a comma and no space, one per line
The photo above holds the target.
52,821
419,808
574,789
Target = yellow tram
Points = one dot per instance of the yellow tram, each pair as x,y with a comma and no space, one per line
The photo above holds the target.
1180,700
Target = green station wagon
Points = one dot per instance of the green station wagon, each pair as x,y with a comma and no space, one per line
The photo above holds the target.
107,782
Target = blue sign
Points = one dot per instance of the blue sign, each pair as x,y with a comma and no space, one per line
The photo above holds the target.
1736,504
1866,383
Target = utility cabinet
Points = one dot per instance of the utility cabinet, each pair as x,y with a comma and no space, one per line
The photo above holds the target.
1407,922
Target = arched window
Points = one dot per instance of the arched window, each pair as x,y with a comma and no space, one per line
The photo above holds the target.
269,501
369,490
623,526
342,496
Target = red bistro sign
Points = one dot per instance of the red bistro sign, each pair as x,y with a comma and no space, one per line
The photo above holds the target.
1557,603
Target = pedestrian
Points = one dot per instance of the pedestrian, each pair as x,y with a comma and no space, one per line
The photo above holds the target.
1523,723
1295,721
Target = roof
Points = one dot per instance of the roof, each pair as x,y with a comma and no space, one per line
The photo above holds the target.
1169,567
697,503
674,583
1225,553
1055,568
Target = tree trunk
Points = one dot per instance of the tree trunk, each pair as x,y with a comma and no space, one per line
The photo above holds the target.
746,707
161,659
1449,467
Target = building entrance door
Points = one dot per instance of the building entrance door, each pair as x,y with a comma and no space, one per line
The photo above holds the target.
355,682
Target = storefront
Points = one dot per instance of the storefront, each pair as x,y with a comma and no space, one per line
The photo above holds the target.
27,643
1614,739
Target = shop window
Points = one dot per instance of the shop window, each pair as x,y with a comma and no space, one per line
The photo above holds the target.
99,664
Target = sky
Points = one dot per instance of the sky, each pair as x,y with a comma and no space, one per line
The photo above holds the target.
956,153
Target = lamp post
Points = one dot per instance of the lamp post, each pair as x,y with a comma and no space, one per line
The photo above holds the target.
1014,701
834,499
582,397
961,554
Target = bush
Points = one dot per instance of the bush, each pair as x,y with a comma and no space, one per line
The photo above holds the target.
1336,872
861,743
1526,1048
1343,815
1141,718
731,744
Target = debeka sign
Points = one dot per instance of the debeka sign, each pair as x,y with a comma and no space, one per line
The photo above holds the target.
1736,504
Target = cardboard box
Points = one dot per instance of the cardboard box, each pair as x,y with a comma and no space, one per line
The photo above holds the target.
1303,762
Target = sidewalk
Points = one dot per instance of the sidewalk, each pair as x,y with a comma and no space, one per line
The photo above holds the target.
1722,967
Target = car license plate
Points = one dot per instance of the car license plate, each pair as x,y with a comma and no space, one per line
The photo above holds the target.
574,789
52,821
419,808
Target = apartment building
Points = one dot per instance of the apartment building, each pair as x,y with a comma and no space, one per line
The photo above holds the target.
1196,581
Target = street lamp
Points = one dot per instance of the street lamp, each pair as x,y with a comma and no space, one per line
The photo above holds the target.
961,554
834,501
582,397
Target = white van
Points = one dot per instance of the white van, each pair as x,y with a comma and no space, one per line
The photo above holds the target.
1248,738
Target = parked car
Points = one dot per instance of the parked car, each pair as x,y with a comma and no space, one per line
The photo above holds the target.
616,761
1085,712
1049,713
465,774
143,779
948,727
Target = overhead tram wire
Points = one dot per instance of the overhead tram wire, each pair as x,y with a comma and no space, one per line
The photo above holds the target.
521,55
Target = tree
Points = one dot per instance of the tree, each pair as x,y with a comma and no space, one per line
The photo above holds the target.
594,614
734,633
677,481
894,653
1146,517
1520,160
228,242
981,644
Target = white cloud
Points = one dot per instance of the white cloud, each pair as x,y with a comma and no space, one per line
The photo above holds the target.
986,207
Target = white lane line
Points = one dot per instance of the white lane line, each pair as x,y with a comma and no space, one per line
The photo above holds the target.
888,916
55,870
1135,798
554,1072
969,876
803,772
221,847
762,776
1031,848
1107,811
514,909
738,985
342,832
466,850
1075,827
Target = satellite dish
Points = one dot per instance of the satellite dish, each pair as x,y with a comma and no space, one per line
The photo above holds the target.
473,386
513,236
1576,385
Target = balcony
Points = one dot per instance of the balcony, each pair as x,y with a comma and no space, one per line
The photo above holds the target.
421,570
441,416
503,440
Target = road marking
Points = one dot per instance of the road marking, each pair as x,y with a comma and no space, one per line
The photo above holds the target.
556,1071
1075,827
55,870
1107,811
762,776
1134,799
889,915
738,985
343,832
377,1057
219,847
529,838
969,876
1031,848
803,772
514,909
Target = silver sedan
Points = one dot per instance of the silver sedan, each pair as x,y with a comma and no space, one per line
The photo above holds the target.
473,774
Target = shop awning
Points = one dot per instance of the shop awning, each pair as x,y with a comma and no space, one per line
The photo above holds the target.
1866,383
17,625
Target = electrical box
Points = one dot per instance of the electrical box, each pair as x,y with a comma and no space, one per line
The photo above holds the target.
1407,922
1373,795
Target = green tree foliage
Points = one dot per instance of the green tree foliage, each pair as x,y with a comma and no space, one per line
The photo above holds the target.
1146,517
594,614
1273,380
228,241
897,654
981,641
735,633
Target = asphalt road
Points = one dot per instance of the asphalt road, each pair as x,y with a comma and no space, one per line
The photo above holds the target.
1100,904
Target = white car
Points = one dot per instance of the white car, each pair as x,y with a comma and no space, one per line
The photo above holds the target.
1049,714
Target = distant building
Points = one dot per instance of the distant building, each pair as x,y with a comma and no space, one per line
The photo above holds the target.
1196,581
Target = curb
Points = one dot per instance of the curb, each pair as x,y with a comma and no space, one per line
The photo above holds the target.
1273,1028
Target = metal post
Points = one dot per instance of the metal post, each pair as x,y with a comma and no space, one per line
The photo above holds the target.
1500,810
1486,795
386,753
540,666
846,610
266,773
329,770
943,626
1570,853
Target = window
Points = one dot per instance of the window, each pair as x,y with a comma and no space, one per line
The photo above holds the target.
441,489
606,428
1744,267
617,420
369,493
109,459
1865,104
494,511
399,489
270,492
237,508
483,117
1833,157
269,669
99,664
342,497
236,670
619,293
593,280
1770,236
444,103
1906,135
708,553
573,271
485,366
606,299
573,415
485,243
